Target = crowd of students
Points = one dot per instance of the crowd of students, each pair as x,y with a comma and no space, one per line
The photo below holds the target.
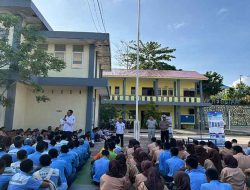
171,165
41,159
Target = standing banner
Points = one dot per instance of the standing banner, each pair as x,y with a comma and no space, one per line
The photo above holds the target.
216,127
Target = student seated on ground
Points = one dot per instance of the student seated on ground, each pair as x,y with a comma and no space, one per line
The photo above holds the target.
197,177
157,153
142,177
60,165
114,178
21,156
40,147
118,149
181,181
243,160
152,145
27,146
18,145
153,182
213,182
164,155
23,180
151,154
2,150
4,177
111,147
232,174
48,173
8,160
227,150
173,165
100,167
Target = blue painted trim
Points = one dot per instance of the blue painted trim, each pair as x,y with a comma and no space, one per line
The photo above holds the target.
117,102
89,110
26,4
64,81
91,61
75,35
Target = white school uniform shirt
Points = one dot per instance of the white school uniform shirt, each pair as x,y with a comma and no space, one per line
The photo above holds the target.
69,123
120,127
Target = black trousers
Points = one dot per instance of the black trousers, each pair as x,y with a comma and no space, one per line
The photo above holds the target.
165,136
120,136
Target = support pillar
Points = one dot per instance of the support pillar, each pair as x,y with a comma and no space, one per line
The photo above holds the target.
156,86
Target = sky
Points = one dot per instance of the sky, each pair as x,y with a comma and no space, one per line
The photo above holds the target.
209,35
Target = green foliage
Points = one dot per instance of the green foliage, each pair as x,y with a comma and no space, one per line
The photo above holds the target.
213,85
107,112
26,58
152,55
240,92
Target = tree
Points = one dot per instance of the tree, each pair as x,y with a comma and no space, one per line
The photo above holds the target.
24,59
152,56
107,112
240,92
213,85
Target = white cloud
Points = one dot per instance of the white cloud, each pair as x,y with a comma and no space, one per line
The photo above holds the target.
244,79
177,26
222,11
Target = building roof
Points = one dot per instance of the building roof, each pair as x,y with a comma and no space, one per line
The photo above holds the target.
26,8
117,73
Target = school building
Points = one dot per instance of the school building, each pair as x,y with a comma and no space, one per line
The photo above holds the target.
77,87
177,94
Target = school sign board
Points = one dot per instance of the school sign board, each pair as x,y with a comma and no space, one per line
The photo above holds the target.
216,127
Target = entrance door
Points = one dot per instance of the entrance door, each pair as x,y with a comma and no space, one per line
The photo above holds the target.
142,119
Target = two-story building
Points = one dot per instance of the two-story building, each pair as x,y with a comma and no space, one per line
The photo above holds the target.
175,93
77,87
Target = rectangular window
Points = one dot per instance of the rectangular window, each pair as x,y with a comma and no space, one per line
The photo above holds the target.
198,88
170,92
60,51
159,91
132,90
43,47
77,54
189,93
164,92
117,90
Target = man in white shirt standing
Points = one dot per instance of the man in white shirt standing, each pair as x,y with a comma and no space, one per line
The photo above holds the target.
120,127
68,122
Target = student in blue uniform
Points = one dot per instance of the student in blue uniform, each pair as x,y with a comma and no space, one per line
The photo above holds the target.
100,167
21,156
27,146
36,155
8,160
213,182
173,165
4,177
165,155
60,165
2,150
24,180
197,177
18,145
70,160
46,172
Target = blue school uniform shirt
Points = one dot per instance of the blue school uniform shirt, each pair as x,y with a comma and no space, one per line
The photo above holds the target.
61,166
35,158
173,165
75,158
23,181
29,149
197,178
165,155
43,173
13,154
100,167
68,159
215,184
4,179
2,153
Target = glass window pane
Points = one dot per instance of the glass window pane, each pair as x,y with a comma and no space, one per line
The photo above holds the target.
170,92
77,58
60,55
132,90
117,90
60,47
77,48
164,92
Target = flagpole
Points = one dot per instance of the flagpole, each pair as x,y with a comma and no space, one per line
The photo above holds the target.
137,130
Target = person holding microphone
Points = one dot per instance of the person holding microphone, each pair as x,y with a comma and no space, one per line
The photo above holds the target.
68,122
